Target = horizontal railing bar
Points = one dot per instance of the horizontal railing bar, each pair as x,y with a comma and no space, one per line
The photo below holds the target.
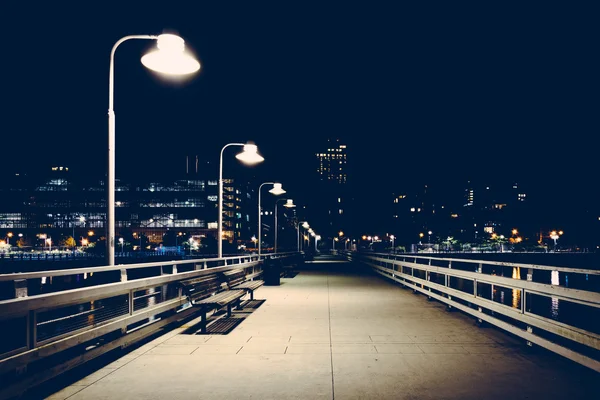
583,296
52,346
498,263
76,271
46,301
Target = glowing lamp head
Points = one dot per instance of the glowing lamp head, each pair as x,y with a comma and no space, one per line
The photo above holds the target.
277,189
318,237
250,155
171,57
9,234
305,225
289,203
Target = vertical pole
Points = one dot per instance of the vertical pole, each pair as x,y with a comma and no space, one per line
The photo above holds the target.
276,226
220,230
110,214
110,242
259,222
298,232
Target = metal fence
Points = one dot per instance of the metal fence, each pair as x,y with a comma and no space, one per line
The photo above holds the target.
477,287
46,334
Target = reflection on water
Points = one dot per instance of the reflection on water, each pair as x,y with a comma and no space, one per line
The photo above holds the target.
516,298
91,315
516,273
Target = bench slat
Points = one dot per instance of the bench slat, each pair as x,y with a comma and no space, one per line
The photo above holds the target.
250,285
222,298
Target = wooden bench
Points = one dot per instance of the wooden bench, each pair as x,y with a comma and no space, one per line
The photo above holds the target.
236,279
210,293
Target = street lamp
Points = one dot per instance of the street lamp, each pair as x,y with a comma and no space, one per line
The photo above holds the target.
248,156
170,59
317,238
429,237
555,235
121,240
8,236
333,242
289,204
393,237
276,190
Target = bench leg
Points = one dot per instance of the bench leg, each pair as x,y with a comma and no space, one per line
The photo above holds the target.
252,295
203,322
228,310
239,304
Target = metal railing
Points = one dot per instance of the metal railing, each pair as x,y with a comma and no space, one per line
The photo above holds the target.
474,287
46,334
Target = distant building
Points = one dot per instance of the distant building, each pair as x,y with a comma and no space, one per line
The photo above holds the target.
332,162
334,201
54,203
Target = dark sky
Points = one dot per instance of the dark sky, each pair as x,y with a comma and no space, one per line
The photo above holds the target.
436,93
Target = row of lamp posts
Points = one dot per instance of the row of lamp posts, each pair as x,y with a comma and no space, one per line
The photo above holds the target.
171,58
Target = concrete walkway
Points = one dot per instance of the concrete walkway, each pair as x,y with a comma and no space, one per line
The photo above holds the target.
340,333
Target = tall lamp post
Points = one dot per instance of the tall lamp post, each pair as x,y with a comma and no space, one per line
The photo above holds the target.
248,156
171,59
555,235
289,204
276,190
393,237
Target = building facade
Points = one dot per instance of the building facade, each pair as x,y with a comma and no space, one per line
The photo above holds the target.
59,204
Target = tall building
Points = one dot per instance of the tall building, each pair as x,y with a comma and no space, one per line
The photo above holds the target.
332,163
334,202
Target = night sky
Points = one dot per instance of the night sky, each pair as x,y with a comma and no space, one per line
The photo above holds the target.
435,94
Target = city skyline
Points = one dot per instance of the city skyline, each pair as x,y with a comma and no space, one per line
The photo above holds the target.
435,96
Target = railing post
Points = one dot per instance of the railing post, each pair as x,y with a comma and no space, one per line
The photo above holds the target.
428,278
20,288
124,275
